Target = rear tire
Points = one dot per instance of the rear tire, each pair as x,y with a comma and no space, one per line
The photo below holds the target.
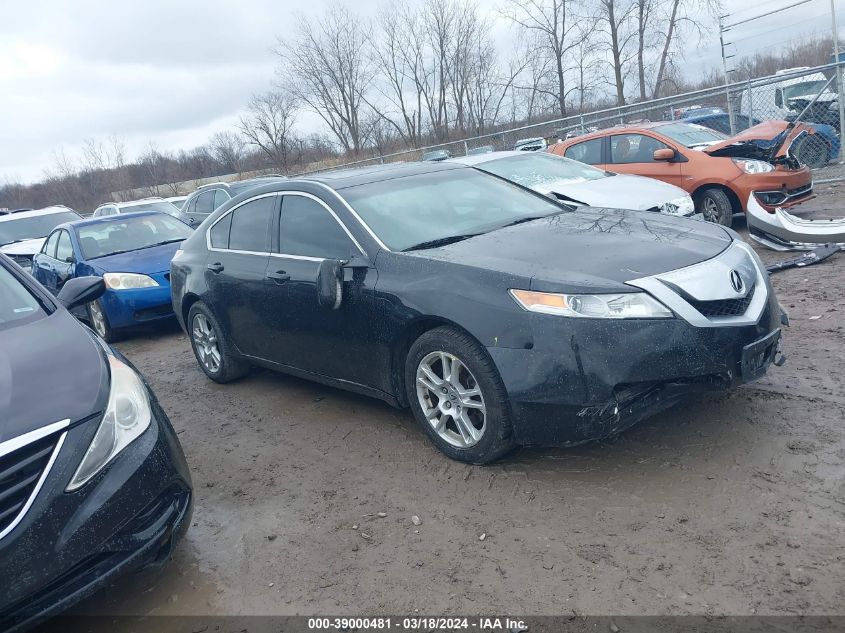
213,353
100,322
457,396
715,206
812,151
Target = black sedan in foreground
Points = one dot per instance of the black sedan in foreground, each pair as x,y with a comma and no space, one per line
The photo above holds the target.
500,317
93,481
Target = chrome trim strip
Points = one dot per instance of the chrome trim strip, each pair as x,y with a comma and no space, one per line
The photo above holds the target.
737,256
303,258
33,436
41,479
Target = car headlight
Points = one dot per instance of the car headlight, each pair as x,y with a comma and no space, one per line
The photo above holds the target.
127,416
128,281
682,206
753,166
630,305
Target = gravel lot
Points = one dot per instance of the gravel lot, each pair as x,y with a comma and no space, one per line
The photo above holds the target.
730,504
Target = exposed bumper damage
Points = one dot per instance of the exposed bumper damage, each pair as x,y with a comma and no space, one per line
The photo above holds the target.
782,231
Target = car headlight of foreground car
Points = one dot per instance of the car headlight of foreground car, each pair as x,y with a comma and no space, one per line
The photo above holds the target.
631,305
682,206
127,416
128,281
753,166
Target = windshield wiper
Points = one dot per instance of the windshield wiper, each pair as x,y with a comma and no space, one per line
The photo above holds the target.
178,239
440,241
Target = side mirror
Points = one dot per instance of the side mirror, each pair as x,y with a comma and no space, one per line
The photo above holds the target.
664,154
81,290
330,284
70,259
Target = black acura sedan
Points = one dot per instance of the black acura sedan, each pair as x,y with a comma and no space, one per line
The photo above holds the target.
498,316
93,481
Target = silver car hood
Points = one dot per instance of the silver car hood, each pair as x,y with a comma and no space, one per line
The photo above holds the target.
621,191
26,247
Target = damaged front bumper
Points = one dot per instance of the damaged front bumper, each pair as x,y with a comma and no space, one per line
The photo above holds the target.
782,231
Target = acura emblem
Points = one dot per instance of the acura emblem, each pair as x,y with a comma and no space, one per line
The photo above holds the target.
736,281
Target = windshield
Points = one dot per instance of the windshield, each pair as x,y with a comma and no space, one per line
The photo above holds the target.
535,170
17,304
804,89
33,227
129,234
690,135
413,210
161,206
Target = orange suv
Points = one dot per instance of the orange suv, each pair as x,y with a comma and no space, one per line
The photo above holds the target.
720,173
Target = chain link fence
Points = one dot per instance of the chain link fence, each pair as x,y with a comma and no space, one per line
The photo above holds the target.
809,95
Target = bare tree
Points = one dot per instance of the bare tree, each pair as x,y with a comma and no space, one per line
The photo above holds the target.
327,67
228,148
269,125
554,25
615,19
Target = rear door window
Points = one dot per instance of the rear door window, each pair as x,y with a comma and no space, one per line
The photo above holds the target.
250,230
50,245
587,152
205,203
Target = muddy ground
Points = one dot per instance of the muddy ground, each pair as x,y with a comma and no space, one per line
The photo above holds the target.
732,503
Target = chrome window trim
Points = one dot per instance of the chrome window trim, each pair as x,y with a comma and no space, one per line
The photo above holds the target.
280,194
354,214
16,443
656,285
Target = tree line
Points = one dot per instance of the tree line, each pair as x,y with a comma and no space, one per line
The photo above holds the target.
416,74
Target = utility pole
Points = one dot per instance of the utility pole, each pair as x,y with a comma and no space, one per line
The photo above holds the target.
839,92
727,80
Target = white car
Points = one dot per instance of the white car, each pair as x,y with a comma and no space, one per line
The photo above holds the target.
577,184
147,204
22,234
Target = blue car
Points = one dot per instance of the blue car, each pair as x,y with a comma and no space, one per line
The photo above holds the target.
130,251
815,150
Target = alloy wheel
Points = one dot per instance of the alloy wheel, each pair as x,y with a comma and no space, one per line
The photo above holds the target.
710,210
98,319
451,399
205,342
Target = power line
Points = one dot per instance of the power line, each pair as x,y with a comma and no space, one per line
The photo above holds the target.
763,15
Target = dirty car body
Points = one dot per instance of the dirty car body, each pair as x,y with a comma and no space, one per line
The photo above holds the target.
93,481
568,378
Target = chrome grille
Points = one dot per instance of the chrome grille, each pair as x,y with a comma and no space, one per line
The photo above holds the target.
20,473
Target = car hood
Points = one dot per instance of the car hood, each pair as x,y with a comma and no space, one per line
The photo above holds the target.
26,247
589,250
761,138
50,370
634,192
144,261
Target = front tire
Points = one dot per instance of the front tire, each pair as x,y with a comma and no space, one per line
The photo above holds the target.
100,322
715,206
213,353
457,396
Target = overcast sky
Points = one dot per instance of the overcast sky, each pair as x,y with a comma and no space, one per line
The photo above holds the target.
173,72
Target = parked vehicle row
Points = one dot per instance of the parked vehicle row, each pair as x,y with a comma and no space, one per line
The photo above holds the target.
22,234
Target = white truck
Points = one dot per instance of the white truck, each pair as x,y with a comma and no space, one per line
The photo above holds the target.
785,99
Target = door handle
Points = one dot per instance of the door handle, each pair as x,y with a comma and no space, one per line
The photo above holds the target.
280,276
216,267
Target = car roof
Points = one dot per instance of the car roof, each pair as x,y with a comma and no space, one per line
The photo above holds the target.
29,214
477,159
105,219
343,178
